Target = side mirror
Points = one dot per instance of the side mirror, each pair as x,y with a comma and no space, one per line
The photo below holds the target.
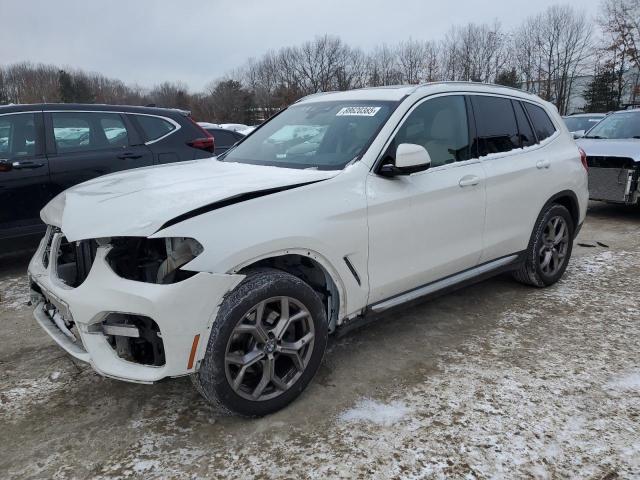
410,158
5,166
578,134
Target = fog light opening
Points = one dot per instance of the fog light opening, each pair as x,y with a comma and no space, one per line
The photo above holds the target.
134,338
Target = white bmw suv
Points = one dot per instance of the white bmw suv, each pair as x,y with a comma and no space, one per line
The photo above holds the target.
234,270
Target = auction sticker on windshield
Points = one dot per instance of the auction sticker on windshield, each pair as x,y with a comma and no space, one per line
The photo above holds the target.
358,111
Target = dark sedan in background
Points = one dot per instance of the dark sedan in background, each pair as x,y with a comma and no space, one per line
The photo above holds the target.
47,148
224,138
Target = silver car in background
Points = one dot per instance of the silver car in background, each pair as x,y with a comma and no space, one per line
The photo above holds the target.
613,156
580,123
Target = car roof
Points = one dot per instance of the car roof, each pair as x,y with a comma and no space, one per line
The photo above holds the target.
400,92
92,107
576,115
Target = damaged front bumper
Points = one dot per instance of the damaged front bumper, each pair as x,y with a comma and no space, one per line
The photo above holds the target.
97,320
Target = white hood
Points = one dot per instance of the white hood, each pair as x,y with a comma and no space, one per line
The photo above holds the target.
595,147
138,202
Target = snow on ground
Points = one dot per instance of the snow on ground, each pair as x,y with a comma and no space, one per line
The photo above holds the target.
14,293
368,410
529,398
546,386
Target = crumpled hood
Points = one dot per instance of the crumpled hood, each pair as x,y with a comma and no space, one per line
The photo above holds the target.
138,202
593,147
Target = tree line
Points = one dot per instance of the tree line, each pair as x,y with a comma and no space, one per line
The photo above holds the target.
545,54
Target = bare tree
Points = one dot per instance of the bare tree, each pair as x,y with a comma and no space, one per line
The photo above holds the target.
170,95
619,21
383,68
552,50
411,61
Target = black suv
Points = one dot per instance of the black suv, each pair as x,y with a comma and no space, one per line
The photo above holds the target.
47,148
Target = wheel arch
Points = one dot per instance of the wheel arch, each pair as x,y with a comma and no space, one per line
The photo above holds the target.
312,268
569,200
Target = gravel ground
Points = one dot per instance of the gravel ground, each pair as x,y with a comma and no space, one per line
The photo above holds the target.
493,381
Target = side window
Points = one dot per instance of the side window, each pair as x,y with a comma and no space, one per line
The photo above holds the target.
115,131
87,131
154,127
17,135
524,127
439,125
497,130
542,124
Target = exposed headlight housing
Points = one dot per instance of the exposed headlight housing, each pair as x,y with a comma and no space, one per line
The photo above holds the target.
153,260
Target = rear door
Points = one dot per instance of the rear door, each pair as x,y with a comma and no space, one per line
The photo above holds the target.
24,186
85,145
517,178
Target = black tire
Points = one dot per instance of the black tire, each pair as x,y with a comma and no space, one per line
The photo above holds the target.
531,272
259,285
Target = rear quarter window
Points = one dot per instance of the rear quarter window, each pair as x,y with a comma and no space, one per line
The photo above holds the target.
542,124
154,128
524,127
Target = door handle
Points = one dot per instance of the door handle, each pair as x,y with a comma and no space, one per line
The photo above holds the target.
543,164
126,155
26,165
469,180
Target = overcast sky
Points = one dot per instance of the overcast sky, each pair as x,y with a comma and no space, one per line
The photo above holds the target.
150,41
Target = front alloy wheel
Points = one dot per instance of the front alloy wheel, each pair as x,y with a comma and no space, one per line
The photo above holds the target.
265,346
269,348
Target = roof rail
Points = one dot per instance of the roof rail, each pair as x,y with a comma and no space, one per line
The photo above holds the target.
463,82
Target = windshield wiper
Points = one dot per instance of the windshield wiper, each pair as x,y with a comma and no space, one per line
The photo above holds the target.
593,136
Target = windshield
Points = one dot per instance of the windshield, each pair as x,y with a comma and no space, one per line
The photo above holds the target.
322,135
575,124
617,125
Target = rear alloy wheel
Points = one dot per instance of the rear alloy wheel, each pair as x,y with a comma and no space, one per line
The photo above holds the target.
549,249
265,346
555,244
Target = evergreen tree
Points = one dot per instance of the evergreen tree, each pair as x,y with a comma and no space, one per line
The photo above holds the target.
508,78
82,90
4,98
74,89
65,82
601,94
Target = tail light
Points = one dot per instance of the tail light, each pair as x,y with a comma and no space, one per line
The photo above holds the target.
206,142
583,159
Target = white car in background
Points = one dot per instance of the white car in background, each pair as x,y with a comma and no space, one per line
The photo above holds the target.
613,156
238,127
580,123
344,206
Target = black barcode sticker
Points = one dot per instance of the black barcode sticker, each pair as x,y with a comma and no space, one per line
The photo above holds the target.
357,111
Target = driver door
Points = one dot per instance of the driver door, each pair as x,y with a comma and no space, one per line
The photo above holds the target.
427,225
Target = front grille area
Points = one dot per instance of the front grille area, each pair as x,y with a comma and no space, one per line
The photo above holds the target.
74,260
613,179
